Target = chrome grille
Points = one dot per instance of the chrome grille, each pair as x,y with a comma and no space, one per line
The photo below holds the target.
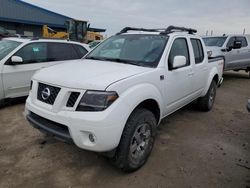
47,93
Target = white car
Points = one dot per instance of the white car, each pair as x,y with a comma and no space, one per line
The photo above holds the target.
20,58
113,99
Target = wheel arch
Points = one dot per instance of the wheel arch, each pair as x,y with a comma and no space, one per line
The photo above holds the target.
212,76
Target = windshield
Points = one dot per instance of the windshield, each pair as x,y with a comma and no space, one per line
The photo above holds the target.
6,46
137,49
214,41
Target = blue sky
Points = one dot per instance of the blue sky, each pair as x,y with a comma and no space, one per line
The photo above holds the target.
221,16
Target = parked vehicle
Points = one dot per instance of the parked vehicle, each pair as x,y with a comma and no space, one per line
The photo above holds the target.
248,105
112,100
20,58
235,49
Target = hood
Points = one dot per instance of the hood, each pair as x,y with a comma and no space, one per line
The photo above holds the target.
87,74
216,51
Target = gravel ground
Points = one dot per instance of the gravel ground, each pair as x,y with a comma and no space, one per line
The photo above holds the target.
192,149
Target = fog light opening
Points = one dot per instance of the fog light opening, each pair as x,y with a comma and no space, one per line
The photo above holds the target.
92,138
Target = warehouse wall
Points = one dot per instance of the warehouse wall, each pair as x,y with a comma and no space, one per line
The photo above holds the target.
22,29
18,11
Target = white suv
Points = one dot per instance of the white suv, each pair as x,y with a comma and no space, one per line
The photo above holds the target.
20,58
114,98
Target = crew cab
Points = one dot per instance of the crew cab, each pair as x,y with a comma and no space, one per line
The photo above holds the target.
21,57
235,49
113,100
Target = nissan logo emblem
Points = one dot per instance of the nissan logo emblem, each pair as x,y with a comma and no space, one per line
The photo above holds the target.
45,93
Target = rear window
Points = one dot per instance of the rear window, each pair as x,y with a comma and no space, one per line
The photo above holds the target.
214,41
61,51
198,50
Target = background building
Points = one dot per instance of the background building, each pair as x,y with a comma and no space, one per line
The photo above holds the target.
22,18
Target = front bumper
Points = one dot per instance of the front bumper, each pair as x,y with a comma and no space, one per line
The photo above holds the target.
71,126
51,128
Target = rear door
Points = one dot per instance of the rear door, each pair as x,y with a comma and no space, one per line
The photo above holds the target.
200,66
16,78
178,82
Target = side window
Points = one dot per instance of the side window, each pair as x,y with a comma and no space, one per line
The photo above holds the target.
33,53
230,43
61,51
179,48
80,50
243,41
198,50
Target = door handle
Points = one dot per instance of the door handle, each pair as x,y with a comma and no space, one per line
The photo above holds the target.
190,73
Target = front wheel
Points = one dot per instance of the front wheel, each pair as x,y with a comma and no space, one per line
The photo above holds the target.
206,103
137,140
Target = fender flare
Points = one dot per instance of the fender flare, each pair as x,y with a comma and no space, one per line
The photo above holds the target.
135,95
213,73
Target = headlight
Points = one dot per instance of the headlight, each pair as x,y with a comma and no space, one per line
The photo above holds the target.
96,100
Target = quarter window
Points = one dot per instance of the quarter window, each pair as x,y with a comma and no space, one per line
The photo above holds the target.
179,48
198,50
81,50
33,53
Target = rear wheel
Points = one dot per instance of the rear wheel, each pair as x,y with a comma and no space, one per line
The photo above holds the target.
137,140
206,103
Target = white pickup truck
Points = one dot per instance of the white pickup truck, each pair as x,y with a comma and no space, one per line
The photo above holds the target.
113,100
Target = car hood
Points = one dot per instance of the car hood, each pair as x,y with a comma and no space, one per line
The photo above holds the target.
216,51
87,74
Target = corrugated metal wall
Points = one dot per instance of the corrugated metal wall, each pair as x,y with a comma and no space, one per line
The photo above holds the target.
29,14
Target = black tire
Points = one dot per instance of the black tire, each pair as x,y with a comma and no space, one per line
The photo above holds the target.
135,147
206,103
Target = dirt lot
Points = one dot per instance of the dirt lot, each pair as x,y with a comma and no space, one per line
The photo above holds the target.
192,149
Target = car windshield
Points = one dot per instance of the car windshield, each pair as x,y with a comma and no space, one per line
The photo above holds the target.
6,46
136,49
214,41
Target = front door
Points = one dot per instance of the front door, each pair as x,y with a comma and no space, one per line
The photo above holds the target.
16,78
178,87
236,58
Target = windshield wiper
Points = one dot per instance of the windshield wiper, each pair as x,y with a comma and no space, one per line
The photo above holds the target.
118,60
97,58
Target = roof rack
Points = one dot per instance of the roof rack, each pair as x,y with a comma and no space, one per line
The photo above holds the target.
166,31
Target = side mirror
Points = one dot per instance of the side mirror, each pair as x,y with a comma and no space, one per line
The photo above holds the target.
237,44
16,59
179,61
248,105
